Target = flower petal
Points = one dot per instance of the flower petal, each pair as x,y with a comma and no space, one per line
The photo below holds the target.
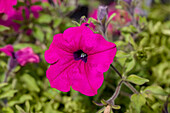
58,75
100,52
8,50
57,50
26,55
102,55
6,6
73,36
87,80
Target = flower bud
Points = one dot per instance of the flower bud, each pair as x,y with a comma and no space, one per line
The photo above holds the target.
12,63
102,14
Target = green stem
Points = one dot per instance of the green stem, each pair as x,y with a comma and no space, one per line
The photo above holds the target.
126,83
116,93
116,71
131,87
6,75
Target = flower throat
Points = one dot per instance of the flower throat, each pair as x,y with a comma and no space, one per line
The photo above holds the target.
80,55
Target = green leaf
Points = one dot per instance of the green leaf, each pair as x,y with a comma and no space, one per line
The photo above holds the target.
30,82
120,43
121,54
25,97
103,102
7,110
131,40
144,42
115,106
20,109
110,19
3,84
75,23
57,22
166,32
121,57
8,94
38,106
142,20
27,104
137,80
94,21
157,90
45,18
19,4
138,100
3,28
37,3
38,34
129,65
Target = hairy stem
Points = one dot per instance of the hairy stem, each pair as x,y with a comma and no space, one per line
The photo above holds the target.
131,87
125,82
6,75
116,93
116,71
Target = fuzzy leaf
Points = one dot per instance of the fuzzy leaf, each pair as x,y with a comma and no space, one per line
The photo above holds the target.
157,90
20,109
8,94
27,104
30,82
115,106
129,65
3,28
110,18
138,100
3,84
137,80
45,18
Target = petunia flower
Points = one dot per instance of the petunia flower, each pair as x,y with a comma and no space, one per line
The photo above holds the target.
8,50
16,14
6,6
78,58
23,56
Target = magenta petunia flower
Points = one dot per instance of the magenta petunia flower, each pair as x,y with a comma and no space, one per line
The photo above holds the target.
78,58
6,6
23,56
16,14
26,55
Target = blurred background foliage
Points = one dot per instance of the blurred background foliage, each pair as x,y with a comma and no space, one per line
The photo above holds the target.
143,51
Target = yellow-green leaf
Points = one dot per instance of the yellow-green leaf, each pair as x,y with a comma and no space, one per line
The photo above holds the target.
137,80
3,28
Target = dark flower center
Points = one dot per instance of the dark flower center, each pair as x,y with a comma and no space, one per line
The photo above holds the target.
80,55
13,55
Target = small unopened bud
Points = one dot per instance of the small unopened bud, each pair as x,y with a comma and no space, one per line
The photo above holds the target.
102,14
82,19
12,63
107,109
